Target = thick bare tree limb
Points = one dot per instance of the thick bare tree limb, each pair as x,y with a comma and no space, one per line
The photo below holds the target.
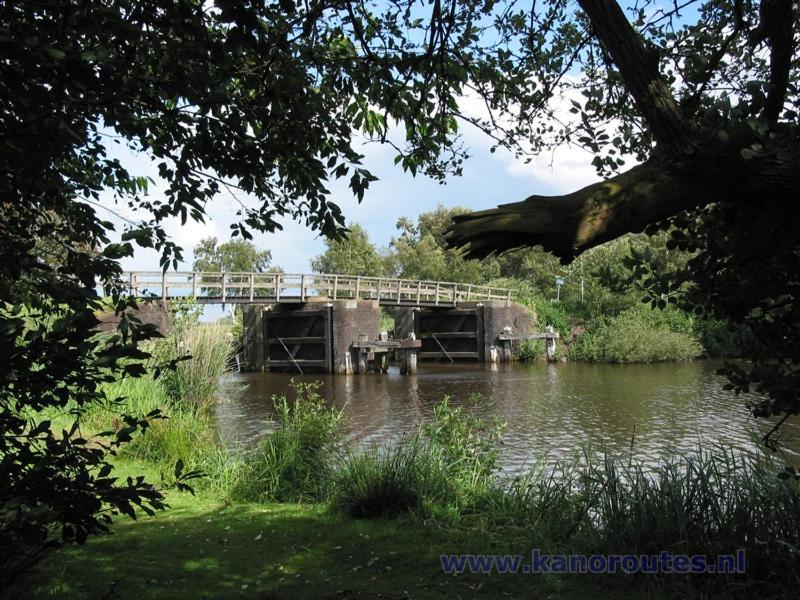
639,69
775,28
655,190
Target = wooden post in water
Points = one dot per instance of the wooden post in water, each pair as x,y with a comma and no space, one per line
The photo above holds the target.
550,344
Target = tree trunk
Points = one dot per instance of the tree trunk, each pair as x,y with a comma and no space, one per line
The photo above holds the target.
655,190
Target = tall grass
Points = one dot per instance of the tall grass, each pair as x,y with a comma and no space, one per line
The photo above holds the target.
184,429
195,380
439,472
293,463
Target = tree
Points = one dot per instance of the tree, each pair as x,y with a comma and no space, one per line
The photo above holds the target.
351,255
421,252
710,108
237,256
711,119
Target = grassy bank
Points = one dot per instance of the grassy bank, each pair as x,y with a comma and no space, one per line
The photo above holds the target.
303,516
205,547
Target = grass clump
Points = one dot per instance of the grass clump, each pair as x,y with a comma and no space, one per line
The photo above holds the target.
439,472
383,482
200,352
293,463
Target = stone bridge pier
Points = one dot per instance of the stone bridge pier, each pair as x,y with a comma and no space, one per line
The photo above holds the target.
315,336
469,331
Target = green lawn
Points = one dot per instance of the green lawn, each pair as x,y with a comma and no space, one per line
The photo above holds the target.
202,548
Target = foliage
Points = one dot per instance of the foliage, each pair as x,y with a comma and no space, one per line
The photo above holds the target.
421,252
183,433
292,464
240,256
529,350
386,322
57,484
351,255
638,334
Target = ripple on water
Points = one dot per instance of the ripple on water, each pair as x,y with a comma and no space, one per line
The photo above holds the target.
549,410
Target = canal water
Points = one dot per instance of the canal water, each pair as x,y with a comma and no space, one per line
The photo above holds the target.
550,410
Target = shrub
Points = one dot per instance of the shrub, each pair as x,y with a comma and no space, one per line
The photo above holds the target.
293,463
529,350
639,334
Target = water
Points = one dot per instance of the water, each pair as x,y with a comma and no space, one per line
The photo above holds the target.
657,410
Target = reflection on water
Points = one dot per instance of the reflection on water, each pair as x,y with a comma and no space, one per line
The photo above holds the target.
548,409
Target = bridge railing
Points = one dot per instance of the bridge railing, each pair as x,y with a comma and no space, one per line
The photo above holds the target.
288,287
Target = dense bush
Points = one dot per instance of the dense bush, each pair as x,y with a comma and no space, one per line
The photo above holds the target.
639,334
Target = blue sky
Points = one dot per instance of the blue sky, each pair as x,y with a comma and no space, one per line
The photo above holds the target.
488,179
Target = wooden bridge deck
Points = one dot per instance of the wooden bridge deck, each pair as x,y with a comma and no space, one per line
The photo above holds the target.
245,288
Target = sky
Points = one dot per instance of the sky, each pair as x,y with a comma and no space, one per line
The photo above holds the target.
488,179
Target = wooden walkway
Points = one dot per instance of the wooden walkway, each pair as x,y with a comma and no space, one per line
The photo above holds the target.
244,288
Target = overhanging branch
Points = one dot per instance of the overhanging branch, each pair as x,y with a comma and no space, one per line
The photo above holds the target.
638,67
655,190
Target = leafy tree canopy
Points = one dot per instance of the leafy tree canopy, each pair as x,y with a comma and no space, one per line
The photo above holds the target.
233,256
351,255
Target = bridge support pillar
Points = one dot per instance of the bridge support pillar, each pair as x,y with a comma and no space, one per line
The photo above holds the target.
352,319
312,335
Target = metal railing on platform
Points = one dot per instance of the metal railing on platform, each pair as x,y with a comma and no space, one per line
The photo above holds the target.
234,287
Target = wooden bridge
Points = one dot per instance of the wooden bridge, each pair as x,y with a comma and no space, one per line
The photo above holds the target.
246,288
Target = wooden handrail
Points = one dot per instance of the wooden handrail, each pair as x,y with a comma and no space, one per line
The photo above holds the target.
245,286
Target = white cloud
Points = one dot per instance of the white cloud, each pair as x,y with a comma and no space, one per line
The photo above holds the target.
568,168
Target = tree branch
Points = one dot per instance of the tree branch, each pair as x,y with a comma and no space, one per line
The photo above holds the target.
655,190
775,27
638,67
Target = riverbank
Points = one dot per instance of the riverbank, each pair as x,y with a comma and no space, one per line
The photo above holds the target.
305,516
205,547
